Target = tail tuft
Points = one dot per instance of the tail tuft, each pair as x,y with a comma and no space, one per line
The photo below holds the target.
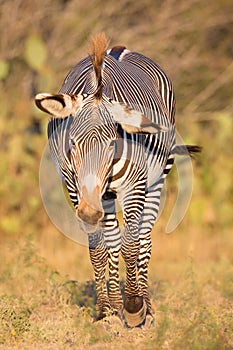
183,150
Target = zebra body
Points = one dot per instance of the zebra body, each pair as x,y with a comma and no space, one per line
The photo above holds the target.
112,134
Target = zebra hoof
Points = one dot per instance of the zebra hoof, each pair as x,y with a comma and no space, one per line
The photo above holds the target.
135,319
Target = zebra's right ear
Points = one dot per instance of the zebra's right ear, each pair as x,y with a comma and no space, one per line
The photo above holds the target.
59,105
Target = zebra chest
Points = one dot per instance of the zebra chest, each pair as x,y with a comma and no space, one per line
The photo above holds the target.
126,173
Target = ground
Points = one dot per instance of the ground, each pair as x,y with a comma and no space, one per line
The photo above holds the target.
191,290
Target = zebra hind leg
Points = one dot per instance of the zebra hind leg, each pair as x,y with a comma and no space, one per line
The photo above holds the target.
148,218
142,264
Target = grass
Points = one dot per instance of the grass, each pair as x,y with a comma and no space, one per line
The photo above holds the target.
42,308
47,296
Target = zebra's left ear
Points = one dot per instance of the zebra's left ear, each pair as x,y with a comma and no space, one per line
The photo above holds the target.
133,121
59,105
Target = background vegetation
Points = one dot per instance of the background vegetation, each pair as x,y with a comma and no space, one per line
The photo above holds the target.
46,281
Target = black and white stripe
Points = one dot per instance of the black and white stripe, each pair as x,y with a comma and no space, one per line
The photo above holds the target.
140,165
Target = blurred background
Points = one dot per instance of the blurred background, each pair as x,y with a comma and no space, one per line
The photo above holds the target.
192,41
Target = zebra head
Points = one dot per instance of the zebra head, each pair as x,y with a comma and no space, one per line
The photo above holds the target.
92,135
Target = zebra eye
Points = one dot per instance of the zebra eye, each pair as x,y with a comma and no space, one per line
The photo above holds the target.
112,145
71,143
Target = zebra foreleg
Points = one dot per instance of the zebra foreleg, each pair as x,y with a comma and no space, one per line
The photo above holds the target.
112,238
134,311
115,297
99,259
132,202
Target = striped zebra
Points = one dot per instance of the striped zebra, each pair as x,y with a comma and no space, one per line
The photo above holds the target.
112,135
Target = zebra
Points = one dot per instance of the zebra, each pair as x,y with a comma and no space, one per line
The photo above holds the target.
112,136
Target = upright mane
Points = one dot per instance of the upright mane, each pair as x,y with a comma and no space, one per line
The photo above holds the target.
98,45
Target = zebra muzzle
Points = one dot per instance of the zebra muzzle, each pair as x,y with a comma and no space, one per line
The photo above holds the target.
89,216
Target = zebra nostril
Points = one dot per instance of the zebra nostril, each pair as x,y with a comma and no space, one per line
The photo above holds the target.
98,215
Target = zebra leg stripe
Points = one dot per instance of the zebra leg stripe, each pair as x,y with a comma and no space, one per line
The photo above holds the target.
130,250
134,304
99,259
112,238
148,219
115,297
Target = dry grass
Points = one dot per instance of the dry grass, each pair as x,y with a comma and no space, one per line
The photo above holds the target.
190,281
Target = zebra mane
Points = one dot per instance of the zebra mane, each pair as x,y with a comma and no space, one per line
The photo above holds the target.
98,46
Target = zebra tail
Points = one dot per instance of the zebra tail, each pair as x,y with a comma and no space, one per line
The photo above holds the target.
98,45
184,150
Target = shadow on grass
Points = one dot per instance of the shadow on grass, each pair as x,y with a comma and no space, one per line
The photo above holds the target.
84,294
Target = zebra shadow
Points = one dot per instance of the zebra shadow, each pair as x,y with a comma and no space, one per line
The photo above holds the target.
84,294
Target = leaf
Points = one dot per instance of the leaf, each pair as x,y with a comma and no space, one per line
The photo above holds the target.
10,224
4,69
35,52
